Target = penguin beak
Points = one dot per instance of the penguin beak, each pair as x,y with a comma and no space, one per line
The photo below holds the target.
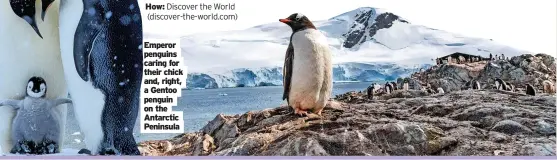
46,5
285,20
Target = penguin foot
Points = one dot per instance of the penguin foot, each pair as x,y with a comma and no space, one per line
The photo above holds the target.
24,147
302,113
84,151
48,147
107,151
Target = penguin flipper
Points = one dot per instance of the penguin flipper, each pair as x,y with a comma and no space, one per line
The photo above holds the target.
15,104
288,71
83,47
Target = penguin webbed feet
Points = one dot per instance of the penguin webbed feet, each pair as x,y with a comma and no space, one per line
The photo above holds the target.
301,113
102,152
84,151
30,147
107,151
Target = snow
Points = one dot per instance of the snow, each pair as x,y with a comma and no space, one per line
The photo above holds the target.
64,152
218,54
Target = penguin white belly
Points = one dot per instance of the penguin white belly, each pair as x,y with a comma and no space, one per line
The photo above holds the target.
24,54
312,70
88,102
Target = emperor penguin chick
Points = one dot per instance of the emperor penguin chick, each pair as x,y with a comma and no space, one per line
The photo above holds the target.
308,72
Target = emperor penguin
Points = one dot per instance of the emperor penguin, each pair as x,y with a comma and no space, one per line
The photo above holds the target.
30,47
102,52
308,71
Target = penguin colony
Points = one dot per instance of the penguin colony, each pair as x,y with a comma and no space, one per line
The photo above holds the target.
308,71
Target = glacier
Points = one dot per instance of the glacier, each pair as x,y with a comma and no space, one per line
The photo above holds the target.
368,44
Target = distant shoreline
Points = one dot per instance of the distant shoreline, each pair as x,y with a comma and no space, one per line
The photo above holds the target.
335,82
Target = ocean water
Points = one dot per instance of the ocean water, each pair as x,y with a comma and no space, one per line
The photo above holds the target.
201,106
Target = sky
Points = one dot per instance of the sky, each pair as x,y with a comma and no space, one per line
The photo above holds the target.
524,24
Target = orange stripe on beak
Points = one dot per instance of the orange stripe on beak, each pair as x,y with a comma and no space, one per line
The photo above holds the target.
284,20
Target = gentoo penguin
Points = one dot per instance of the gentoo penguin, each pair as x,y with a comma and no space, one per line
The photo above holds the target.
389,88
308,71
102,52
405,85
530,90
394,86
35,110
476,85
500,84
548,87
372,89
440,90
25,54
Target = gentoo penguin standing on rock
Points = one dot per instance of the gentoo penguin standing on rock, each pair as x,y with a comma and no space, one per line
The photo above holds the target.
500,84
394,85
308,71
476,85
530,90
405,85
389,88
371,90
30,47
102,52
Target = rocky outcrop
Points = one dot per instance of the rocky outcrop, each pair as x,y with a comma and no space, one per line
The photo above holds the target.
405,123
519,71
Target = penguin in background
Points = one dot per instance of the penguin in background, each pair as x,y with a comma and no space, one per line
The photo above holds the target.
30,47
389,88
394,86
530,90
101,44
308,71
500,84
371,90
405,85
476,85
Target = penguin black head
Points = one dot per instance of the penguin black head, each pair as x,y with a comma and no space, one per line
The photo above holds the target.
36,87
25,9
297,22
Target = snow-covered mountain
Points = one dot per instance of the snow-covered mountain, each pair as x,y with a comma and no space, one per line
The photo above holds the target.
382,42
272,76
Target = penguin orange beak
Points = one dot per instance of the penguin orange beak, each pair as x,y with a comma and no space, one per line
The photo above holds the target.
284,20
